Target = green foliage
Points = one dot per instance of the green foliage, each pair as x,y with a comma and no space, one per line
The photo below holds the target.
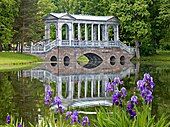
8,12
146,21
164,22
135,23
6,96
114,117
13,123
118,117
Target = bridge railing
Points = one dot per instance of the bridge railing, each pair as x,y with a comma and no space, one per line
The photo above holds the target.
45,46
99,44
129,49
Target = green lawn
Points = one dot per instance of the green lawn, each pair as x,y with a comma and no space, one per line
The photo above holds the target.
11,60
159,56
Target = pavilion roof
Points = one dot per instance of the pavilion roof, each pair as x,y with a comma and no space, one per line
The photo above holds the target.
82,17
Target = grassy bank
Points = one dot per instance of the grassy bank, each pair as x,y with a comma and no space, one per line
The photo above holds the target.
11,60
160,56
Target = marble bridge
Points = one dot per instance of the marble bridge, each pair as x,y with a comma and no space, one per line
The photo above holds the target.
78,89
97,37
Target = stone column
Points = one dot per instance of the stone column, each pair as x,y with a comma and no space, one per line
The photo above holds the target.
72,31
92,32
60,87
70,91
72,84
95,32
79,88
92,83
79,32
47,30
106,32
94,88
59,33
98,91
85,87
86,33
56,31
103,32
98,32
116,32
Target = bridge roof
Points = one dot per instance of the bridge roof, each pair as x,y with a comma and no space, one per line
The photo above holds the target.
81,17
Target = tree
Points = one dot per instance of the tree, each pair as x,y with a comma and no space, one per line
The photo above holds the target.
26,17
163,20
135,23
8,12
44,7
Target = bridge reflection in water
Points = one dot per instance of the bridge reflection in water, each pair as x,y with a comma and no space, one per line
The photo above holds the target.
80,87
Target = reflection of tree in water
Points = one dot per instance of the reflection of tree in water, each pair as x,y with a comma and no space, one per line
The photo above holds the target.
65,89
6,97
24,94
29,98
161,75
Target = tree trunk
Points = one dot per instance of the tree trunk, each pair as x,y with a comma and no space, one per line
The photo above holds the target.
137,49
137,67
1,47
21,47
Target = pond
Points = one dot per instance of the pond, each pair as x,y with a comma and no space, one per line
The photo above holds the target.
79,87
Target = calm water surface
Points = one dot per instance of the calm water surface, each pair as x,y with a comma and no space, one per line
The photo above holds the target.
82,87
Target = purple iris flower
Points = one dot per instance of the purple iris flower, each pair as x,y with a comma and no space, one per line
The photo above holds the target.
149,80
148,99
132,113
8,119
134,99
85,121
124,92
147,77
152,84
75,113
130,110
47,99
48,90
68,114
19,125
109,87
74,119
140,85
117,81
60,109
129,106
57,101
115,99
